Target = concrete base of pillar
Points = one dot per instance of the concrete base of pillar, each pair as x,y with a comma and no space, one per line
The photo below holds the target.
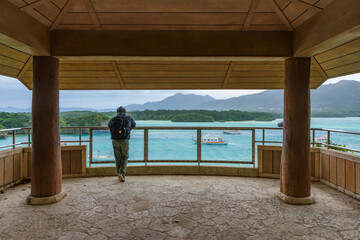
295,200
46,200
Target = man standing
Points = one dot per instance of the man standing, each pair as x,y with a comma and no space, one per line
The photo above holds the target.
120,127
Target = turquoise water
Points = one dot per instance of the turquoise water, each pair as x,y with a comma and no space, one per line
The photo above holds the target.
178,144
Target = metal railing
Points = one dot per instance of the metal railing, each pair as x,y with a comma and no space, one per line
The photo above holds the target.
198,130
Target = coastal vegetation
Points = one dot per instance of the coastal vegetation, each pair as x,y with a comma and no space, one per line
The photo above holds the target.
88,118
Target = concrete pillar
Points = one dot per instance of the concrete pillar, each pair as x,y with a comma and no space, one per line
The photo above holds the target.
46,171
295,174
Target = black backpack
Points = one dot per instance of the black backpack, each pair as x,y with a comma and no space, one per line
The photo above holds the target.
118,129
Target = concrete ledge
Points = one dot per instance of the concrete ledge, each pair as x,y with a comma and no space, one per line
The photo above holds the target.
295,200
46,200
175,170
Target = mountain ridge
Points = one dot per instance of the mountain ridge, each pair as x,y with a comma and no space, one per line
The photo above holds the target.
344,96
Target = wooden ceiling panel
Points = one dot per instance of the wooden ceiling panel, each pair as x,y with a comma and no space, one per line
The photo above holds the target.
303,17
264,7
172,67
170,80
59,3
172,74
18,3
171,18
266,19
82,75
76,27
267,28
167,86
294,10
48,10
227,15
346,49
282,3
171,6
344,70
12,53
78,18
324,3
342,60
78,7
167,27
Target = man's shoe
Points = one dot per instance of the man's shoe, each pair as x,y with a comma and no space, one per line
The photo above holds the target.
121,178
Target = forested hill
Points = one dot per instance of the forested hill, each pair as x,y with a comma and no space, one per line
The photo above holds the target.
88,118
341,96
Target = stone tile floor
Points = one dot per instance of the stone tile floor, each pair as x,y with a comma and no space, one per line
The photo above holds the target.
178,207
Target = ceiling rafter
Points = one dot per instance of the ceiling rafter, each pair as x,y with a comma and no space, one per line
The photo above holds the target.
93,15
24,70
308,5
62,13
228,74
118,75
250,14
281,15
32,5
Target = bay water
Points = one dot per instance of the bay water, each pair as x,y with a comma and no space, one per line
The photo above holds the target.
179,144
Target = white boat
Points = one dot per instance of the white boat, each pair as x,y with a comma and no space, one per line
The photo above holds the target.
231,132
212,140
322,139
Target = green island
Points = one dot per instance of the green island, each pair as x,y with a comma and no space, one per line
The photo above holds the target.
88,118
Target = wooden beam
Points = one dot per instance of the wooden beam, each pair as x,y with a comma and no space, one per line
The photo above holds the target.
20,31
171,43
250,14
24,70
118,75
321,71
281,15
93,15
337,24
61,15
228,74
307,5
32,5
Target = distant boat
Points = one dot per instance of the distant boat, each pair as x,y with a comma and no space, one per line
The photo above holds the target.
322,139
2,136
231,132
212,140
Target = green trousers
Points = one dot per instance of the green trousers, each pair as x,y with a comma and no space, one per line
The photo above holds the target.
121,152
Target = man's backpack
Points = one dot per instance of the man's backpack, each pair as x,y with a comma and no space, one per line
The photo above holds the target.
119,128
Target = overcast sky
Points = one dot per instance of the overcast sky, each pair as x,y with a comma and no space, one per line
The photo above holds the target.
14,94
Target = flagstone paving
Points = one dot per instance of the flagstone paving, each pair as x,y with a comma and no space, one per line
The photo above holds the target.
178,207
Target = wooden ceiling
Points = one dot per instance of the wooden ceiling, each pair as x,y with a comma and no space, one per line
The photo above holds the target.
151,75
240,15
179,44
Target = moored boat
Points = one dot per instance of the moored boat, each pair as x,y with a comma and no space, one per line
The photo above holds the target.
231,132
212,140
322,139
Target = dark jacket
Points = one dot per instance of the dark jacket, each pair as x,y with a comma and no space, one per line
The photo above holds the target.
127,124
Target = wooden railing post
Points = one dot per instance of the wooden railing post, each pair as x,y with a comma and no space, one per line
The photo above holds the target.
198,144
253,146
13,136
313,137
90,147
79,136
29,137
146,146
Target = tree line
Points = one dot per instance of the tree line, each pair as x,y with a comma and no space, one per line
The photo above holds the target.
88,118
